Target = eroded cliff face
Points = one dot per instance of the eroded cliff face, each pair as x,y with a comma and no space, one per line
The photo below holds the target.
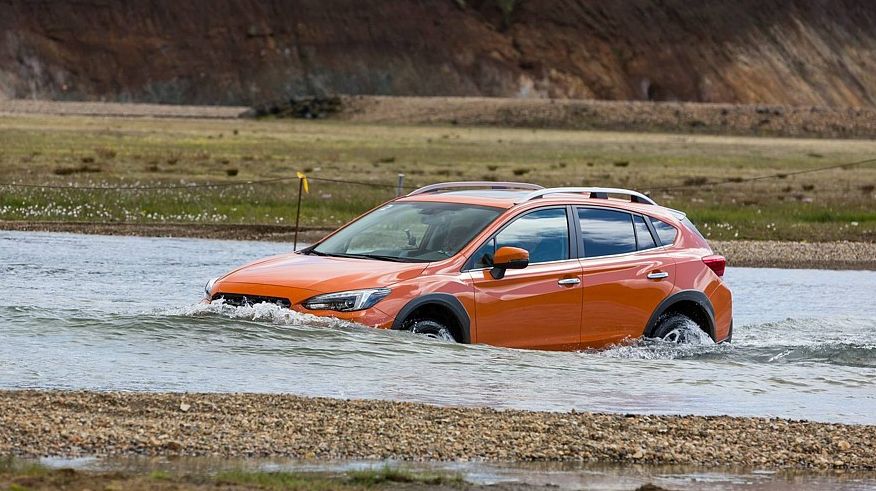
801,52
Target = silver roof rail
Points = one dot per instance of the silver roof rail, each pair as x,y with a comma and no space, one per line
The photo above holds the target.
602,193
434,188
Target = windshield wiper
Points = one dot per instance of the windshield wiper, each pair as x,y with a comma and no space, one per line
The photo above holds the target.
391,258
378,257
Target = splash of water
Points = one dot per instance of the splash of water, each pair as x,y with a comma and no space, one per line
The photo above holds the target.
260,312
693,341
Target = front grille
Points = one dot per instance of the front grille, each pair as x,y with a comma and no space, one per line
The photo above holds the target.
238,300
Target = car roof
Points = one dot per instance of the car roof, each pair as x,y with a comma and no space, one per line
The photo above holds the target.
509,198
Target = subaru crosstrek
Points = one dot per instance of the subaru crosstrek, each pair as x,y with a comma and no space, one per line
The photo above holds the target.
505,264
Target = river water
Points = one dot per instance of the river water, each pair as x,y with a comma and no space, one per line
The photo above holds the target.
537,475
123,313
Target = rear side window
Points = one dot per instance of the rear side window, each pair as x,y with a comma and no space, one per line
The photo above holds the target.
665,231
544,233
643,234
606,232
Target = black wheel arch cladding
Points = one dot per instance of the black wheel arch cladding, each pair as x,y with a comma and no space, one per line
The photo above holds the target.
681,302
442,300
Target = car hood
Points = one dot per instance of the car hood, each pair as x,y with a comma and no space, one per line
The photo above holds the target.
323,274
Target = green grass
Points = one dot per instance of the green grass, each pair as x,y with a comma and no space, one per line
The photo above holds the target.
830,205
366,478
387,474
279,480
9,465
784,222
159,475
18,475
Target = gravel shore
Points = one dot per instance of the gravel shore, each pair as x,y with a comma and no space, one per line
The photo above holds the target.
750,253
796,255
279,233
43,423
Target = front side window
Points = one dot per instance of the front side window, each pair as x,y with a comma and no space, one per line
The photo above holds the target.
410,232
543,233
606,232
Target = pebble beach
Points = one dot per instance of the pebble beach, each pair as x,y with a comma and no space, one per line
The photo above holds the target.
58,423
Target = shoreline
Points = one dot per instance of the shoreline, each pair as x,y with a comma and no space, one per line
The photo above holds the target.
38,423
837,255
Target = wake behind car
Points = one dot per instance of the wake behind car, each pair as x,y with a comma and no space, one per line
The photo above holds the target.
506,264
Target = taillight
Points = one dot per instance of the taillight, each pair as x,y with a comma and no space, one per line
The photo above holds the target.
716,263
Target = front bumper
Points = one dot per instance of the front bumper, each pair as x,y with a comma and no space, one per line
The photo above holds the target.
372,317
292,297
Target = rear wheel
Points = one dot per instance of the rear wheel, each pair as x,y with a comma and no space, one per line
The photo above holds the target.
680,329
430,329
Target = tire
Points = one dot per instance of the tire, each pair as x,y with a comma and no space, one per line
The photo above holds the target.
679,329
431,329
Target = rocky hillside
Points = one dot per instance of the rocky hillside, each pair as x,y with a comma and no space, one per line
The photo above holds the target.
796,52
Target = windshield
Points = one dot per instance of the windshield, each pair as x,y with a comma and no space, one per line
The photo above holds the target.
410,232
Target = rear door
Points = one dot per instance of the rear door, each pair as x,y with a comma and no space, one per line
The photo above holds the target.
537,307
625,274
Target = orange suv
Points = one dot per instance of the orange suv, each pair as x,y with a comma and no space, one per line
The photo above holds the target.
505,264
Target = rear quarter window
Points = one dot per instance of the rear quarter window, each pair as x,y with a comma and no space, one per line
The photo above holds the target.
666,232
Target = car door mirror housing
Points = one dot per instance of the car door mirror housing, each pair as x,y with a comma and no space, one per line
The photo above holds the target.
508,258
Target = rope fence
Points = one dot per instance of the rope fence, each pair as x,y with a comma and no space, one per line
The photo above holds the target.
778,175
198,185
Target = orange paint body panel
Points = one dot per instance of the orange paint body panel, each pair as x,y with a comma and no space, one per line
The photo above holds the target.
551,296
619,298
528,308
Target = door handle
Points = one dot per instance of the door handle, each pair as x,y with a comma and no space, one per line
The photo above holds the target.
568,281
658,275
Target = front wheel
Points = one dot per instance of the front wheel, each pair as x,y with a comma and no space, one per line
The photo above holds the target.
680,329
431,329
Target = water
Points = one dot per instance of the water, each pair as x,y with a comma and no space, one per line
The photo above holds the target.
539,475
123,313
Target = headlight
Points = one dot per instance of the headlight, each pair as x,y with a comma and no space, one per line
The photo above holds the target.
209,286
347,301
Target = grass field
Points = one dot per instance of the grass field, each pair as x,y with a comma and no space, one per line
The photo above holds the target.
837,204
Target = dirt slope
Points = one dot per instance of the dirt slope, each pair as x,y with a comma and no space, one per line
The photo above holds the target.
796,52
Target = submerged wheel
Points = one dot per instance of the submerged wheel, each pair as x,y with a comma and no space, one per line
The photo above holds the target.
679,329
430,329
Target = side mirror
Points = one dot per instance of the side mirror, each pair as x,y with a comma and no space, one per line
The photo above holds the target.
508,258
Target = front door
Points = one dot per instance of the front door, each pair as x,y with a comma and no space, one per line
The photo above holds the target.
625,275
537,307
